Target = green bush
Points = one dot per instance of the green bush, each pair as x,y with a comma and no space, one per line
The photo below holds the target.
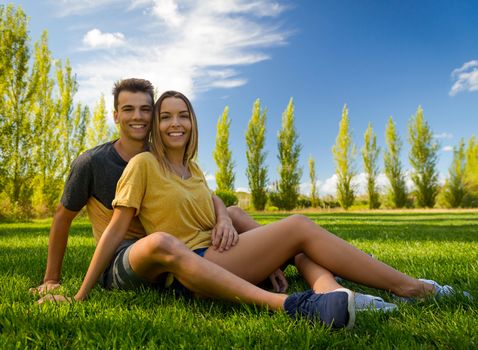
304,202
229,198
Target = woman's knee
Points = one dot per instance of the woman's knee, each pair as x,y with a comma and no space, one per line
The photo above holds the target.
165,247
300,222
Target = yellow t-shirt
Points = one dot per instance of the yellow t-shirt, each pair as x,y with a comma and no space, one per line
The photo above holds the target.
100,217
165,202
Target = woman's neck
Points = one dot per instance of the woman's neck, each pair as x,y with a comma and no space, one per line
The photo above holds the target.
175,158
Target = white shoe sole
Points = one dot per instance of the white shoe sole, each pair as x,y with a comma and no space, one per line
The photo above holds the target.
350,306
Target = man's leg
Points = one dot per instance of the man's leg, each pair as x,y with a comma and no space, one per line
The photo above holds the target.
241,221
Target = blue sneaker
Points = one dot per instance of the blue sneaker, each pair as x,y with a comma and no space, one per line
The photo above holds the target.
335,309
366,302
444,291
440,292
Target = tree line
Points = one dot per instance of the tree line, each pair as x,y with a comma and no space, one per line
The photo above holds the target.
459,190
42,129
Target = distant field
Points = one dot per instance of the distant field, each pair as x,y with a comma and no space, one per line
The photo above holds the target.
437,245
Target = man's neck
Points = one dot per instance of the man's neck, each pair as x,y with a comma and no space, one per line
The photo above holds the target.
127,149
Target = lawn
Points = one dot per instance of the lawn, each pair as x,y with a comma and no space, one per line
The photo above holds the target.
436,245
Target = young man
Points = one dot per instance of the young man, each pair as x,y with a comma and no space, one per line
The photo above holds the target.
144,260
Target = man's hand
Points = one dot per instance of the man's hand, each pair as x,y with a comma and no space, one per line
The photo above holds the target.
224,235
279,282
55,299
45,288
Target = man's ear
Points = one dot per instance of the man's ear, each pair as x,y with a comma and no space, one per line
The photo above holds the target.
115,117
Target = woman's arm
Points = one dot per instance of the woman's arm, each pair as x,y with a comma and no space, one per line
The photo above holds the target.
107,245
223,235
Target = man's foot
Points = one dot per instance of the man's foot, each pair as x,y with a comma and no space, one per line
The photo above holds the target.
366,302
335,309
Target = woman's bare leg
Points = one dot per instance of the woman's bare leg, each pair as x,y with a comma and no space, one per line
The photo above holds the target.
158,253
261,250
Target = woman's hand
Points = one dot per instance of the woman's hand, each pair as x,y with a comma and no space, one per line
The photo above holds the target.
279,282
224,235
55,299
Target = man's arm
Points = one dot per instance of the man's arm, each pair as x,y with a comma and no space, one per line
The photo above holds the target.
57,242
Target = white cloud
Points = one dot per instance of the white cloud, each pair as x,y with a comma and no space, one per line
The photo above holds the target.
466,78
95,39
215,39
359,182
211,180
243,189
167,10
329,187
443,135
447,148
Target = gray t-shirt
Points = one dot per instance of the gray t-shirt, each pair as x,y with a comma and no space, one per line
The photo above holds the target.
94,173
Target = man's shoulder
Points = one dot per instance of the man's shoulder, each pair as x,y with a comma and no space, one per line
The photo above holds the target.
97,153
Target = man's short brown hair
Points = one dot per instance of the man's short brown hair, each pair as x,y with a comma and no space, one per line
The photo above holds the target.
132,85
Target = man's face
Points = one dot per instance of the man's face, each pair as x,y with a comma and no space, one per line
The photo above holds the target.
134,115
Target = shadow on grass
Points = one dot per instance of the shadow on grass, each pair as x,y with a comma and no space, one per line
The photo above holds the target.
82,229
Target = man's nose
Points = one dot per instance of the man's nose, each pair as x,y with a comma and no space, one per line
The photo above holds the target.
137,114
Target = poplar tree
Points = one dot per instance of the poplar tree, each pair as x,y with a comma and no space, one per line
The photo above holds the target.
344,156
47,156
454,189
289,152
423,157
80,121
67,88
98,131
223,158
370,153
471,173
18,91
256,169
397,192
314,198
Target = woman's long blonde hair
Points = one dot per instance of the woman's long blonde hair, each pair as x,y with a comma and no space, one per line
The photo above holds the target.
156,143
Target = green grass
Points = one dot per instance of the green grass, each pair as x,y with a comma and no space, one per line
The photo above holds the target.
440,246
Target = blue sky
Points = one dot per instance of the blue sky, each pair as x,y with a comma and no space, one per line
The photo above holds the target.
381,58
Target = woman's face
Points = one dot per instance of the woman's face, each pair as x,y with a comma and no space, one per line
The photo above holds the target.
174,124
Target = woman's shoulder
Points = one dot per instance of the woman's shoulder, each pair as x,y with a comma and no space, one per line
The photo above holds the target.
143,158
194,166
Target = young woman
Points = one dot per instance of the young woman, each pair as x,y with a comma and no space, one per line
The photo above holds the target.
168,192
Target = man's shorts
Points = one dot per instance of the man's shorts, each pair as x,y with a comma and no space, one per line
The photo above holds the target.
120,275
